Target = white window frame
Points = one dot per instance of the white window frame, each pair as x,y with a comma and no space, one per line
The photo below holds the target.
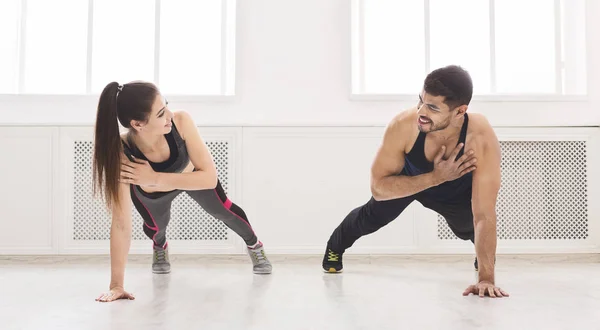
357,62
228,58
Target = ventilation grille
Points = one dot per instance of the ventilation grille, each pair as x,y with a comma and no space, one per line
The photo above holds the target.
543,195
189,221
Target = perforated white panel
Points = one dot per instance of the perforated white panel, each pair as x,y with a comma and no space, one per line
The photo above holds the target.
91,220
543,194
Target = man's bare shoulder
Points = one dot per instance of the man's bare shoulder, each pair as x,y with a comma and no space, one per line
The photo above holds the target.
480,126
401,130
482,133
403,122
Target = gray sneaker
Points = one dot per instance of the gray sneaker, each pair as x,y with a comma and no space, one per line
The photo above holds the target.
160,261
261,264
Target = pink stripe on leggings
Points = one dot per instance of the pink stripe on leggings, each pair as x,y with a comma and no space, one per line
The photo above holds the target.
150,214
228,206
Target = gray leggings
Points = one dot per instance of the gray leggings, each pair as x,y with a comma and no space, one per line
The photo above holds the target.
155,209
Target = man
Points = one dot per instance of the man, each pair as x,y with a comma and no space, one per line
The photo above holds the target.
423,158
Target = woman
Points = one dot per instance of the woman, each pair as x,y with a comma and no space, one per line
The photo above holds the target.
160,156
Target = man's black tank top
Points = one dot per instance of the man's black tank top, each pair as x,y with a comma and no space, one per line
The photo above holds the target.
178,159
415,163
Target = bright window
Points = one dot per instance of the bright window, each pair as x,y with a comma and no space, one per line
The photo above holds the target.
186,47
9,45
510,47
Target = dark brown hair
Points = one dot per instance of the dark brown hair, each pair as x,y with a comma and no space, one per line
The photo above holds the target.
452,82
117,104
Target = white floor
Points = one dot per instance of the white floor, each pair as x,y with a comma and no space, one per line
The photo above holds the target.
372,293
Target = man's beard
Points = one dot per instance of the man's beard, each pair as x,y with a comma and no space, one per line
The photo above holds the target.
432,127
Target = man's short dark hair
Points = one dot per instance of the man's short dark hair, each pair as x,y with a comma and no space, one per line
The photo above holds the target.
452,82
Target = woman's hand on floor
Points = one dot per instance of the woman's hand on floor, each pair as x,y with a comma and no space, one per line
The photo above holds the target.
114,294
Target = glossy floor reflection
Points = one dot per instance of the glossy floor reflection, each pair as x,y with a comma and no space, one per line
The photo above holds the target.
372,293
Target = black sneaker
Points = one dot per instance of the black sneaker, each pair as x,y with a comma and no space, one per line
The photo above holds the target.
332,262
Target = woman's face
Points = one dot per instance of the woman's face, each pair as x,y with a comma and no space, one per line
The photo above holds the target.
160,118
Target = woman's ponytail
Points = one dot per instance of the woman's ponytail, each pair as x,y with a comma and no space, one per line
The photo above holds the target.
107,146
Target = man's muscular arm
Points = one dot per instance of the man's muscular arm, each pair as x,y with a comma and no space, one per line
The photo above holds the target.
386,183
486,184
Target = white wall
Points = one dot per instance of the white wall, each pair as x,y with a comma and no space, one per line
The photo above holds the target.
296,183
